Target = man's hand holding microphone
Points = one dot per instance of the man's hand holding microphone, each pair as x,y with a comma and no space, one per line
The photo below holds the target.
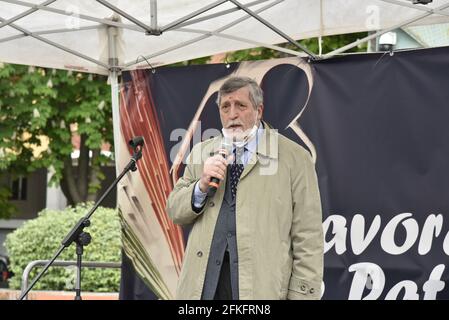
214,169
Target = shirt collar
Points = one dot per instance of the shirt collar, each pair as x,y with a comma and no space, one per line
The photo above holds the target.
252,144
265,142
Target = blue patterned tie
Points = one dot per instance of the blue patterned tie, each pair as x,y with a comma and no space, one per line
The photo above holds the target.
236,169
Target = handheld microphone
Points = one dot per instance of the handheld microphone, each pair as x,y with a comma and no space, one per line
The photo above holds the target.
137,144
225,148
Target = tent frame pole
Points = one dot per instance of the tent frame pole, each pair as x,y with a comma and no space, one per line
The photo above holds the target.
148,29
113,80
217,14
174,26
54,31
192,15
56,45
24,14
257,43
272,27
417,7
381,32
132,27
153,14
188,42
80,16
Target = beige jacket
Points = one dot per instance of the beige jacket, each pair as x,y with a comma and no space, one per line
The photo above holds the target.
278,217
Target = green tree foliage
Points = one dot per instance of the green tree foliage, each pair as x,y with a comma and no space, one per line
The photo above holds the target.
39,239
39,105
6,210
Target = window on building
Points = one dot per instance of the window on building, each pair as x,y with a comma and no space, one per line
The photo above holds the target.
19,189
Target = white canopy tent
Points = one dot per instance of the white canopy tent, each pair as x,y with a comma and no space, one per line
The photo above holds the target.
109,36
77,34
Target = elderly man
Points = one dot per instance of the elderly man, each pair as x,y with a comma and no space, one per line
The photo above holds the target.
259,236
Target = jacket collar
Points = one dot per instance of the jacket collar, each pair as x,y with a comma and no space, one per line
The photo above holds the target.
268,146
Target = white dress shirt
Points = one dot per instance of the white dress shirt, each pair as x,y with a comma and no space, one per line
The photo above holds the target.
199,197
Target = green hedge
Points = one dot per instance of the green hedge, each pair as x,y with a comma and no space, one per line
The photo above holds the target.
39,238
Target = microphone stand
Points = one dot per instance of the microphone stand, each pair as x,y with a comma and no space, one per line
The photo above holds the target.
77,234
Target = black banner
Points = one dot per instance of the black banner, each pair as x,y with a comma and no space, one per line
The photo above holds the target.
377,127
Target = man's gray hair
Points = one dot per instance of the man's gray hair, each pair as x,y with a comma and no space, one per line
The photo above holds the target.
236,83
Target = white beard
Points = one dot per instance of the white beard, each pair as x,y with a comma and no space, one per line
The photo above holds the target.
238,137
